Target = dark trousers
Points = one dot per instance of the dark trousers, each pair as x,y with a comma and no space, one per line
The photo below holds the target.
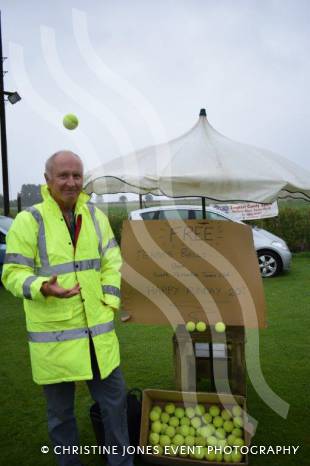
110,393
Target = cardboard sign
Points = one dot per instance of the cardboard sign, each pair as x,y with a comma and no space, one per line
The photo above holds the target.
200,270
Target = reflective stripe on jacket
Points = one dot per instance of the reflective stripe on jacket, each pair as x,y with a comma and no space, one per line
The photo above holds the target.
39,246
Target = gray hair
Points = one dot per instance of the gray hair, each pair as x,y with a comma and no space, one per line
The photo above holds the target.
50,161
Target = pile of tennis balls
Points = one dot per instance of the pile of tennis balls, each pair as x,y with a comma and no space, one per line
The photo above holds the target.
176,430
219,327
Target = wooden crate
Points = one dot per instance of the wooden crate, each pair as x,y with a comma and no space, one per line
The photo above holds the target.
228,372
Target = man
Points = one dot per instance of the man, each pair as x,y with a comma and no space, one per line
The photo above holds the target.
63,260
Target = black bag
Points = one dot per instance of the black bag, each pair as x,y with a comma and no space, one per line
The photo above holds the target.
134,409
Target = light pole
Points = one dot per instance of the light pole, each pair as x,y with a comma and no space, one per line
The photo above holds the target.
13,97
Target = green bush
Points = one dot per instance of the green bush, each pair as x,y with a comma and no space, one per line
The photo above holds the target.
293,225
116,217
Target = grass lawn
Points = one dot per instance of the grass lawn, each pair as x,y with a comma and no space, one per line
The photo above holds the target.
147,363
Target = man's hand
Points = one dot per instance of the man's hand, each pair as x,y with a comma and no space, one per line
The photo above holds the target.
51,288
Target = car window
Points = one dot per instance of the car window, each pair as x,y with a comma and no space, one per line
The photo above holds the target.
210,216
177,214
5,222
150,215
2,238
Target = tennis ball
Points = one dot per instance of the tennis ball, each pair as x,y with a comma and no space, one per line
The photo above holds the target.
238,421
214,410
218,421
207,418
190,326
189,441
156,427
185,421
212,441
221,443
164,440
70,121
154,415
164,417
220,433
200,441
239,442
178,440
201,326
226,414
196,422
174,421
227,458
236,457
172,450
200,410
170,431
228,426
158,450
170,408
199,453
163,428
184,430
220,327
231,440
210,455
190,412
237,432
153,438
237,410
207,430
179,412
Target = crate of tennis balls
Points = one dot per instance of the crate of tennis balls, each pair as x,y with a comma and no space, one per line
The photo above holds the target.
193,428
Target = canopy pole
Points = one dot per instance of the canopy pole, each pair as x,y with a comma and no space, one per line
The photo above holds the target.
140,201
203,201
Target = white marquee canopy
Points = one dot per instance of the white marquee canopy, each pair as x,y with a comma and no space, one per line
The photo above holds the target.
204,163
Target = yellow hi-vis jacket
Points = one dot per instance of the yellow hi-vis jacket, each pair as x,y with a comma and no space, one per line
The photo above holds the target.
39,246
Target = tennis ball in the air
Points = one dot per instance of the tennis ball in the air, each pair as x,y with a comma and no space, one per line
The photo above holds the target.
220,327
70,121
190,326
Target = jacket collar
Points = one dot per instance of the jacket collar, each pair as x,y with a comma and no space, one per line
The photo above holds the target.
46,195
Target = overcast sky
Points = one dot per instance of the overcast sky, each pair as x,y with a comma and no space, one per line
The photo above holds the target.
137,72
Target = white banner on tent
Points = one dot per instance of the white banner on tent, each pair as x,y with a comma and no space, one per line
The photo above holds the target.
249,210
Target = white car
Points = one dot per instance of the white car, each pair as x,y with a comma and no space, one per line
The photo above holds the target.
272,252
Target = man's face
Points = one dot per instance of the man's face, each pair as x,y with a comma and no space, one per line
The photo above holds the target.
65,181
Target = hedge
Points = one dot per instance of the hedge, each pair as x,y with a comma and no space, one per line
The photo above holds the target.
292,225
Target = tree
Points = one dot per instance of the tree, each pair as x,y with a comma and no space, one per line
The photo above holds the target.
30,194
148,197
122,199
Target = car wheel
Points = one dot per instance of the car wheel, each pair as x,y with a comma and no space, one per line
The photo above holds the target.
270,263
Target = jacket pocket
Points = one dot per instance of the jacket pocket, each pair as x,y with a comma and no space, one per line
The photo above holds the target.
53,310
